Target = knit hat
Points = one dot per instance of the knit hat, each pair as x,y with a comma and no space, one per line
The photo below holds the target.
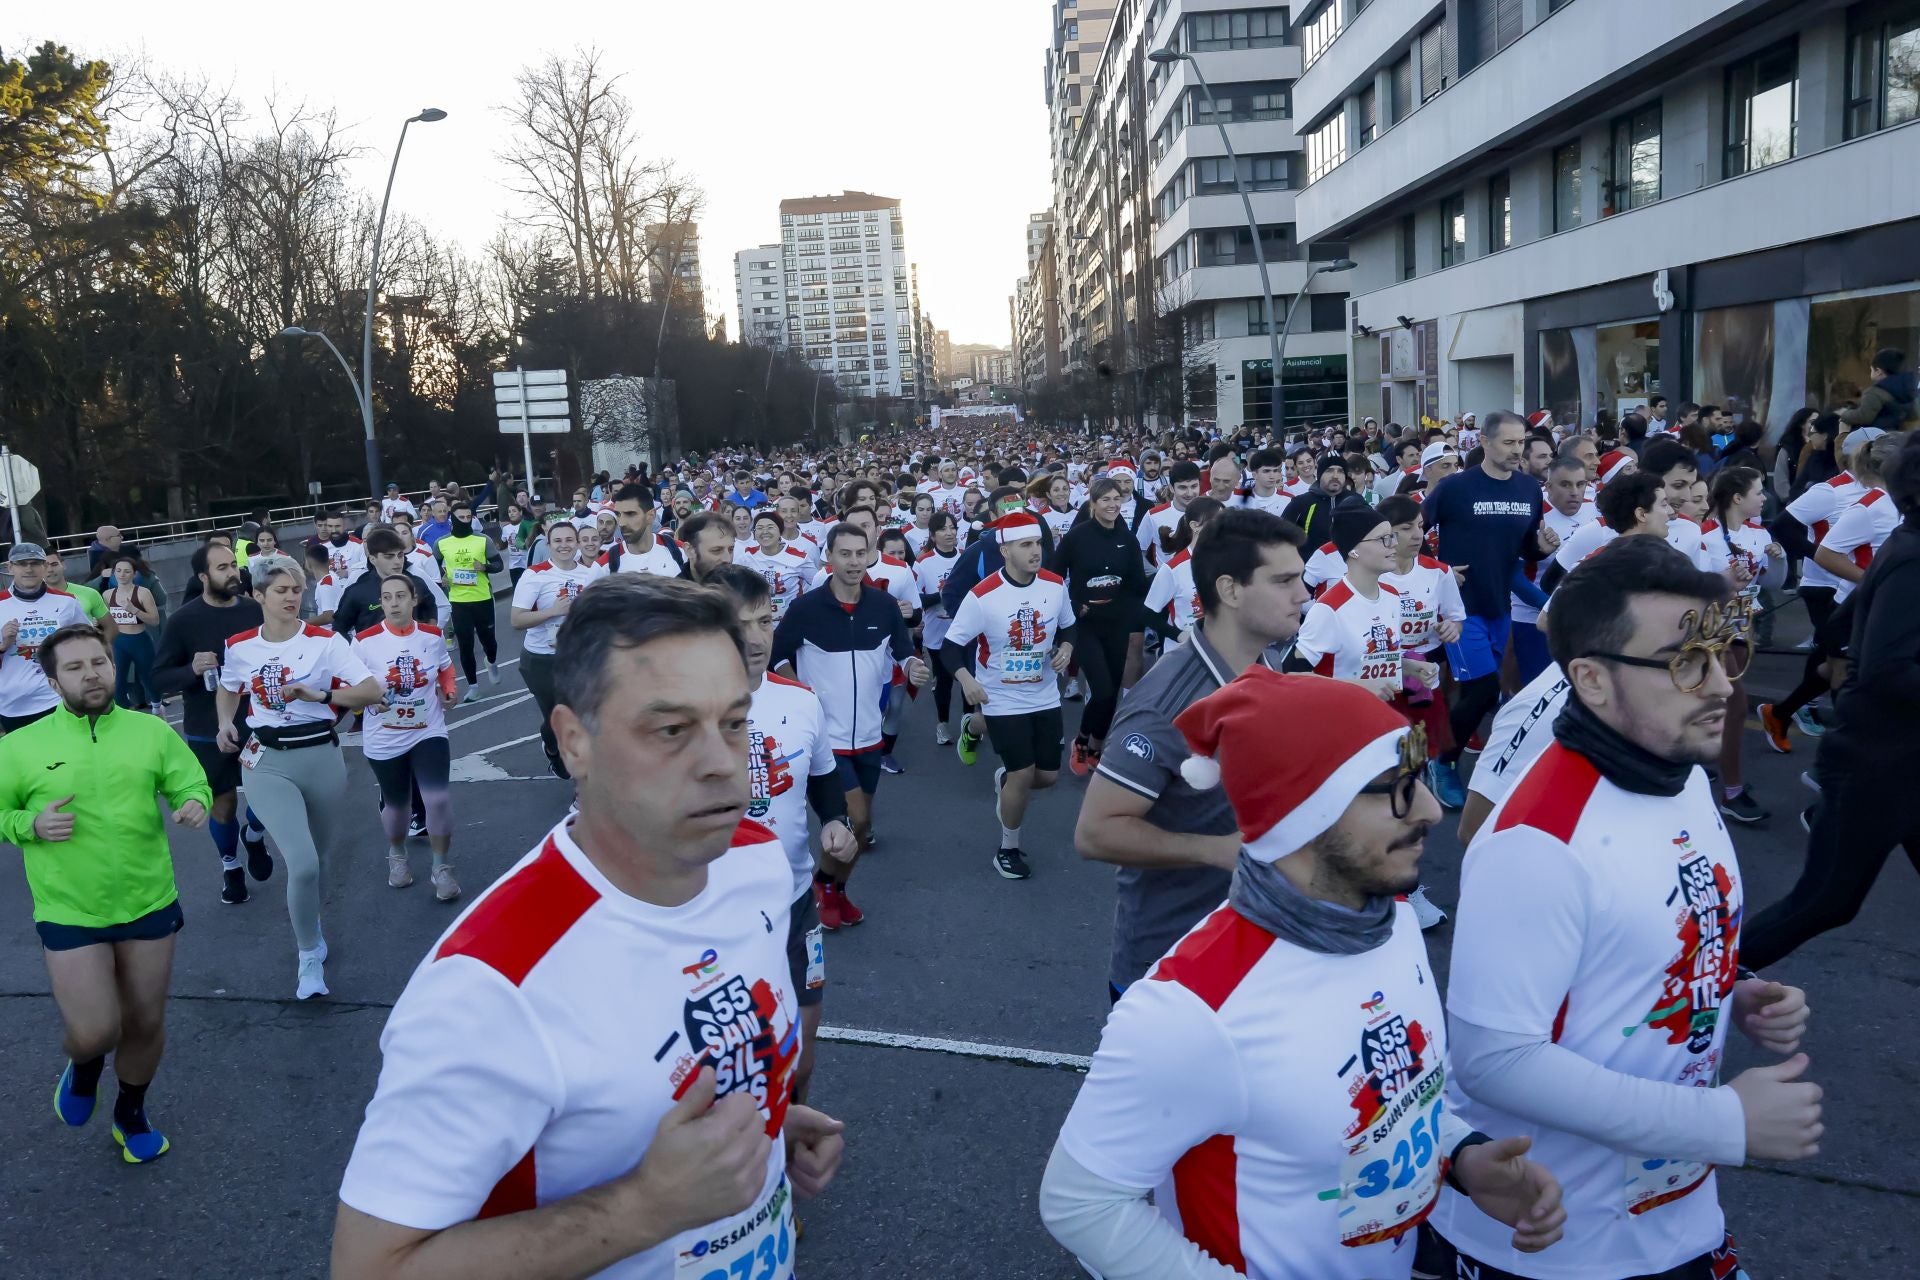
1016,526
1284,798
1351,523
1434,452
1332,462
1613,464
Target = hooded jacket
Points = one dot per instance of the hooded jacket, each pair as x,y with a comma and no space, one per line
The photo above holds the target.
1888,404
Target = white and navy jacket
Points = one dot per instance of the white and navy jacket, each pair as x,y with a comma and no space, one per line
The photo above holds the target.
846,658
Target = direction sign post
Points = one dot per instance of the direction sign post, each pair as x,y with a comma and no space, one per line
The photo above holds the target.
529,401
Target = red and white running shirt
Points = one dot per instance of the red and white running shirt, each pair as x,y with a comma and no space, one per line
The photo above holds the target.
515,1074
346,563
786,745
1625,955
930,573
656,560
1352,637
327,590
785,572
412,666
1858,532
542,587
1817,509
1686,537
1325,565
1058,521
1275,503
895,577
24,689
1015,629
1746,546
1285,1105
1173,592
1163,519
1428,593
316,657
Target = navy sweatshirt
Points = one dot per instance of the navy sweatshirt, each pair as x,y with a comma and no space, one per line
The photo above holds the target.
1486,526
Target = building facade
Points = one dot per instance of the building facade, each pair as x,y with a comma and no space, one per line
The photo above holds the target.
760,294
1579,204
849,305
673,269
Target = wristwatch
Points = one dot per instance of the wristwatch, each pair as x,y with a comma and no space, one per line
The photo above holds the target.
1473,1139
327,697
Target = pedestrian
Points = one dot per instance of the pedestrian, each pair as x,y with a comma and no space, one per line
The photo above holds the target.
1890,402
1740,547
101,875
30,611
136,619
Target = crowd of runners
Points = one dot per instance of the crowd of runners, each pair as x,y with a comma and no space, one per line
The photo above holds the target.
1293,658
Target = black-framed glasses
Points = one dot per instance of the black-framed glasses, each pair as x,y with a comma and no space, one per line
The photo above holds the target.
1400,789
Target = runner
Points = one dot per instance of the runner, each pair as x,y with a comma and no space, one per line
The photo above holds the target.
930,573
1277,1083
327,589
346,556
424,565
1172,590
893,571
1100,560
101,875
1565,513
782,567
1634,904
638,548
1739,547
30,611
404,736
1269,467
606,1151
292,679
1022,621
1183,488
1522,730
362,604
92,603
136,618
707,538
468,556
541,601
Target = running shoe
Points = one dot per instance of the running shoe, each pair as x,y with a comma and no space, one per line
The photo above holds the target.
259,861
1744,808
942,736
888,764
999,781
1425,910
968,745
1809,722
1444,781
1011,864
313,977
827,904
233,886
1073,692
445,887
1775,728
157,709
473,695
399,874
850,915
1808,781
139,1148
1082,758
74,1109
416,827
493,672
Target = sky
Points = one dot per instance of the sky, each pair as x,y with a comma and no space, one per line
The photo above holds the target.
937,104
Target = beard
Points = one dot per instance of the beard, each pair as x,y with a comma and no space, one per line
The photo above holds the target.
1344,864
221,590
89,702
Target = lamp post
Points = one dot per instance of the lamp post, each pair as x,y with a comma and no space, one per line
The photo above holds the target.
1279,390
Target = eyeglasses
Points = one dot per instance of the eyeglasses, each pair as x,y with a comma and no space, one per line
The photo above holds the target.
1401,787
1717,633
1388,540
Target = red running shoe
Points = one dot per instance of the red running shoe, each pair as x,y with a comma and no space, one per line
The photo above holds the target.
1775,728
826,901
1081,761
849,914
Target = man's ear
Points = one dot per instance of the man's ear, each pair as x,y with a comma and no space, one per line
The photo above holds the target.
1591,681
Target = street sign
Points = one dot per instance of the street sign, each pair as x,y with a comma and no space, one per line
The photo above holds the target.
24,477
555,391
530,377
532,402
538,426
532,409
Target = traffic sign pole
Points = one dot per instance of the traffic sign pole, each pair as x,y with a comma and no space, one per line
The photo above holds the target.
526,435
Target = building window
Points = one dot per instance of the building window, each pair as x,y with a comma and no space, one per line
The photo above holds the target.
1566,186
1453,231
1369,125
1400,99
1257,316
1499,212
1249,29
1636,160
1328,312
1327,147
1260,100
1763,109
1436,60
1408,268
1883,71
1213,176
1491,25
1319,32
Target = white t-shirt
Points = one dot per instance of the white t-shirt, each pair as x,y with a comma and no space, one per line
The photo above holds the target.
785,573
315,657
1428,594
1625,955
412,669
24,688
1522,729
1586,540
1352,637
1684,536
952,501
1275,503
390,507
1286,1106
1163,519
930,573
656,560
346,563
895,577
1748,545
423,564
1325,565
543,586
1172,590
327,591
1564,527
1817,509
1015,629
786,744
536,1048
1858,532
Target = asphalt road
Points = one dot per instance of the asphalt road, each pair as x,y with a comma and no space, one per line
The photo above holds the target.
261,1095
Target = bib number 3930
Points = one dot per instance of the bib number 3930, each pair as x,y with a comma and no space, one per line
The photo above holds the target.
757,1246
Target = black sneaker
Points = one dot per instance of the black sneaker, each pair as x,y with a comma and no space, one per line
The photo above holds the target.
1744,808
259,861
416,827
233,889
1012,864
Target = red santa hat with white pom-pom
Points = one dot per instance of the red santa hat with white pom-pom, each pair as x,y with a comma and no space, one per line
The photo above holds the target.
1282,796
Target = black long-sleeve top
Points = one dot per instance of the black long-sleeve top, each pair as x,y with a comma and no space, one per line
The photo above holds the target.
198,627
1104,573
1879,704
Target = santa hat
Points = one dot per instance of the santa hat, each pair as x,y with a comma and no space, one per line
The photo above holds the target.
1613,463
1539,420
1016,526
1284,798
1121,467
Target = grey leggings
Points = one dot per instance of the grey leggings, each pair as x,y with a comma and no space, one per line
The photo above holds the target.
298,797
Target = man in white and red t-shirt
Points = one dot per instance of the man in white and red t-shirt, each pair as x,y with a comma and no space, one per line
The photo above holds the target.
1277,1080
1183,480
541,600
1018,622
1846,549
535,1119
1595,1021
1269,467
639,547
1352,632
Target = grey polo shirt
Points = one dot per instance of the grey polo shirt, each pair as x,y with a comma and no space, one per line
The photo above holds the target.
1156,907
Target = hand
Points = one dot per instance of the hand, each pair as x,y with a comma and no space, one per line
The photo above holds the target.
1427,673
1772,1015
1448,630
707,1160
1775,551
1384,688
228,739
1062,658
560,607
1782,1111
191,814
919,674
1549,541
52,825
449,698
300,693
1459,577
814,1147
8,632
837,840
970,690
1509,1188
204,662
1739,573
906,608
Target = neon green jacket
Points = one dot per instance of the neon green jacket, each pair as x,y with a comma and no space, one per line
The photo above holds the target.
116,866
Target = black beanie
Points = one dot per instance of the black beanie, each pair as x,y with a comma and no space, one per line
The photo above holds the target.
1329,462
1351,523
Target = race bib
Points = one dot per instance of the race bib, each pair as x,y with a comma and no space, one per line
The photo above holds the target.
757,1247
1652,1183
816,958
403,713
464,577
1391,1174
123,616
1381,667
250,754
1024,667
32,634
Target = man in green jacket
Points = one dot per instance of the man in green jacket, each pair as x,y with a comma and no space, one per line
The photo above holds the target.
76,795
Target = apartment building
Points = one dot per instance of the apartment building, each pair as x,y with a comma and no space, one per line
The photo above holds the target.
760,294
1036,309
673,267
849,307
1579,204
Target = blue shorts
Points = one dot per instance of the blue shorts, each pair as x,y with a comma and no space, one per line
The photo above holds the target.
859,771
151,927
1530,656
1481,646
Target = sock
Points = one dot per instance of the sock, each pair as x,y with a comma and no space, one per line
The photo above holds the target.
226,839
1010,837
86,1076
130,1108
1733,792
439,859
254,831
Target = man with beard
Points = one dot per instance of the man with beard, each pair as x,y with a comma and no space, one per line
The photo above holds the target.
76,796
1313,510
29,613
1634,904
193,645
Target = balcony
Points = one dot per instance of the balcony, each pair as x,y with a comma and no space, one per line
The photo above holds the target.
1349,62
1202,212
1256,137
1227,66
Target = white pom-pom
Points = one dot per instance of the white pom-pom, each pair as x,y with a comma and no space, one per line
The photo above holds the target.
1201,772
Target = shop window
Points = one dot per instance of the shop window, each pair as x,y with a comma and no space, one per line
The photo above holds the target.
1627,365
1844,333
1733,359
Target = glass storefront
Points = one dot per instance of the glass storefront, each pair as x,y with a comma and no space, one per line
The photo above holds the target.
1316,388
1733,359
1627,366
1844,333
1560,377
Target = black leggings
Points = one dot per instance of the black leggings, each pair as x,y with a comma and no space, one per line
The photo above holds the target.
470,616
1813,682
1472,699
537,670
1102,655
1861,815
942,689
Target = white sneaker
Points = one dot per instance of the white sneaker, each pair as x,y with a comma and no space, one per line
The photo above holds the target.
313,978
445,887
399,874
493,672
942,736
473,695
1424,910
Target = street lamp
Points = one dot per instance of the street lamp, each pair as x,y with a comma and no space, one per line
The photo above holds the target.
1279,390
295,331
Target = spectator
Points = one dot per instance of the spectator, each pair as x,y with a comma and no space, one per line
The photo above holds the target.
106,543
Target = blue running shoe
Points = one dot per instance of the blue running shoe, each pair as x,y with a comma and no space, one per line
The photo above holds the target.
73,1109
1444,780
139,1148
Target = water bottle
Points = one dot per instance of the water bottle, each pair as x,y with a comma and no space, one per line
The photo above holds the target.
210,678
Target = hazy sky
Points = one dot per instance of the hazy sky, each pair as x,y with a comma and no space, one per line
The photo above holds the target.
937,104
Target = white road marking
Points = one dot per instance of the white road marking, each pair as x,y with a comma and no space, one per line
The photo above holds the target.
960,1048
475,767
